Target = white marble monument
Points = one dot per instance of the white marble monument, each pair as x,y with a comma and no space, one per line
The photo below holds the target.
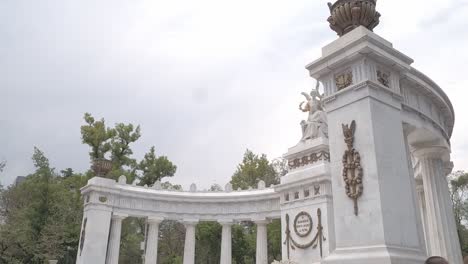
366,182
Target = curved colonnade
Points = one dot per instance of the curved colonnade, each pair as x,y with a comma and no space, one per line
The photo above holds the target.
422,122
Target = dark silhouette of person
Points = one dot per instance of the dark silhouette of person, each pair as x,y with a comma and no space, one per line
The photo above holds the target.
436,260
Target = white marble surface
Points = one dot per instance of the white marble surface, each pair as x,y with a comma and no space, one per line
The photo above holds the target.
389,227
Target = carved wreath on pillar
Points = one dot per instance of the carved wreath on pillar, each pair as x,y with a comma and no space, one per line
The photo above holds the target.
352,170
318,239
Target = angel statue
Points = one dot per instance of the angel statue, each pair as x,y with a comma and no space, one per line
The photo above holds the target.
316,124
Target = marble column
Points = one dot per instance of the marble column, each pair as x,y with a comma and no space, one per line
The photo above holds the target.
262,242
442,232
189,248
226,243
151,254
113,247
423,212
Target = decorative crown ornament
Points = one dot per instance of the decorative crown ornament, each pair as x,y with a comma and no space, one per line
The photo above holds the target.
346,15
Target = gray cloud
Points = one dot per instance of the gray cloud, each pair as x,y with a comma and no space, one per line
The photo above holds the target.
205,80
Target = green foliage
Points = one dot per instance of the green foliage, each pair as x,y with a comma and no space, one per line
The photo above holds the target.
131,237
243,243
124,135
459,195
68,172
42,216
274,240
2,165
97,136
171,246
154,168
208,241
253,169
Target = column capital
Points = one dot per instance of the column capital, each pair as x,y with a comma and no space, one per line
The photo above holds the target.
190,222
155,219
119,216
261,221
226,222
430,152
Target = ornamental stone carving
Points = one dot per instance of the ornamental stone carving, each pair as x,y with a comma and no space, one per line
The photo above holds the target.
309,159
303,224
306,230
346,15
316,124
343,80
352,170
383,78
122,179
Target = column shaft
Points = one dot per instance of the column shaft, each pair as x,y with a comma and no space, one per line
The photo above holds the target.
262,243
441,223
113,248
226,244
151,254
423,211
189,248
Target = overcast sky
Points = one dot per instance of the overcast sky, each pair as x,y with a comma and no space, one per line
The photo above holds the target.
205,79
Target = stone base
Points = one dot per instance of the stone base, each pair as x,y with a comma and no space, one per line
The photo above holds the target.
375,255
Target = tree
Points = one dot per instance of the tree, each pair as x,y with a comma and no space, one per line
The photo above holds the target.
459,196
216,188
2,165
253,169
208,239
68,172
171,246
97,136
124,135
155,168
42,216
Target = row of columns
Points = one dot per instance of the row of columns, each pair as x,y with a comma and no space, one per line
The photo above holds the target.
151,253
435,205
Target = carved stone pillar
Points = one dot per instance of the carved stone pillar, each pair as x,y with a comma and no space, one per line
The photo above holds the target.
94,235
151,254
262,242
189,248
423,211
226,243
442,232
113,247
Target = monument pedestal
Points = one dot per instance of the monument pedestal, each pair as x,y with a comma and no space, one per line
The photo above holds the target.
306,203
375,213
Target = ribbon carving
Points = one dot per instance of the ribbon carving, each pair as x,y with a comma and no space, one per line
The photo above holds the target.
316,241
352,170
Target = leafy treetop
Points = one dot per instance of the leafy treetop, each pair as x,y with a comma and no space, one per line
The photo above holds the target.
97,136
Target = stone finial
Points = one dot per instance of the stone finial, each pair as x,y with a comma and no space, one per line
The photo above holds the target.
134,183
346,15
122,179
261,185
157,185
228,187
193,187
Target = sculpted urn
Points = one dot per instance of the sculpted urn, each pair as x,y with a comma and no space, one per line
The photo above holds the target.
101,167
346,15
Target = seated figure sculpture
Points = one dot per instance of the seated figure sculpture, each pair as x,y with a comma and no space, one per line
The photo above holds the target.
316,124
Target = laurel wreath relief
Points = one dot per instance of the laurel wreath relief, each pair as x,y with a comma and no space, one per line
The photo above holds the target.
318,239
352,170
